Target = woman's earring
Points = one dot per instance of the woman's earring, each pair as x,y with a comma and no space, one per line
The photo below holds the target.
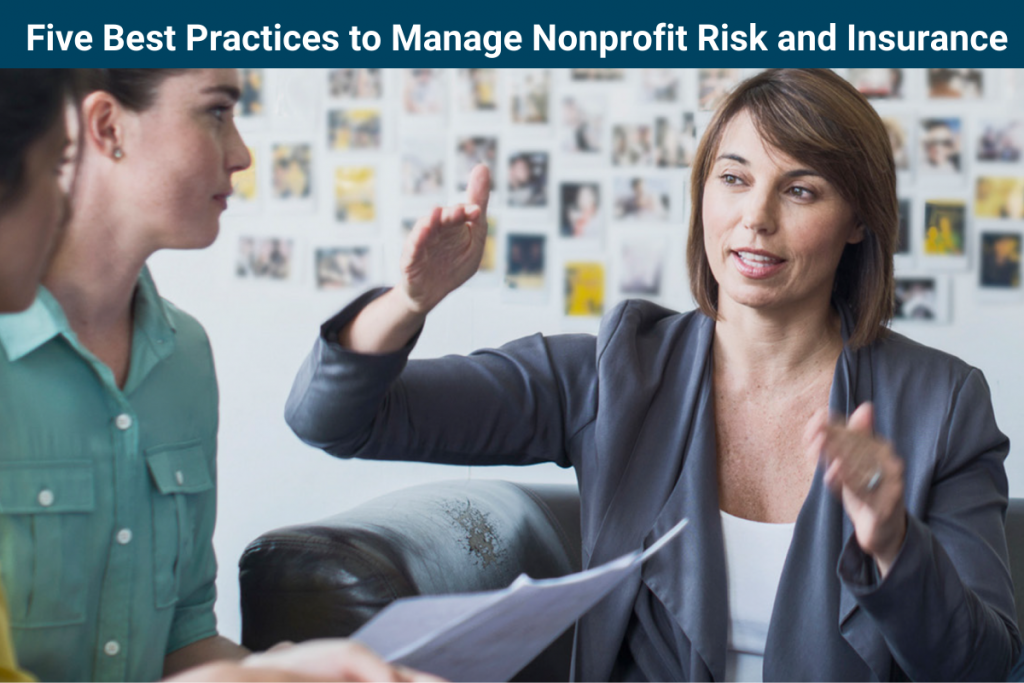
118,153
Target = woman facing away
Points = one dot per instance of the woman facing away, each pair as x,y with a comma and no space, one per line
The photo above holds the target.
866,546
108,401
33,139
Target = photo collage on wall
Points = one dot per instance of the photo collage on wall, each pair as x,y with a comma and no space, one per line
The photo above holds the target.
590,177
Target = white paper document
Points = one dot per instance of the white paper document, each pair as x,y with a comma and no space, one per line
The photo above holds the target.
490,636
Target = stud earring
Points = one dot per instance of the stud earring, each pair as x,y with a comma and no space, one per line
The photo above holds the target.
118,153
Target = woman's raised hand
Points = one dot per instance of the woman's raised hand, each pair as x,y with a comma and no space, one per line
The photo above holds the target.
443,251
445,247
865,472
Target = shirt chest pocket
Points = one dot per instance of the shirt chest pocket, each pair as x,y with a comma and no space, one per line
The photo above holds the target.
180,474
47,509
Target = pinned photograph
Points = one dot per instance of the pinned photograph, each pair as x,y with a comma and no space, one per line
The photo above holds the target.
264,258
641,199
675,146
632,144
341,267
355,194
250,103
1000,260
473,150
642,267
355,84
999,197
945,239
423,92
353,129
528,180
965,84
580,210
940,145
524,262
292,172
244,190
898,128
422,167
1001,141
582,124
922,299
714,85
598,74
660,85
584,289
878,84
476,90
529,96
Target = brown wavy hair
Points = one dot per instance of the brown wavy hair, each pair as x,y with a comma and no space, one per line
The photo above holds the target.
819,119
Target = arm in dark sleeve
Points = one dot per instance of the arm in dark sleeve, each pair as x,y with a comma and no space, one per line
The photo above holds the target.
946,607
520,404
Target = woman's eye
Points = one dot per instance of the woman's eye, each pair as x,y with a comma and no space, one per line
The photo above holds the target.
220,111
801,192
730,179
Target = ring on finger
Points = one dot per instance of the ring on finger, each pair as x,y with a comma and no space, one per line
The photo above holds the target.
876,479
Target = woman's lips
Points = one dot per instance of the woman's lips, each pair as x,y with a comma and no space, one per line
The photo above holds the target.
756,264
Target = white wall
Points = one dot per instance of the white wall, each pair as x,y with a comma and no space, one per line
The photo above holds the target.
261,330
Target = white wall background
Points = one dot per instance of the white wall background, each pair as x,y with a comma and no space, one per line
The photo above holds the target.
261,330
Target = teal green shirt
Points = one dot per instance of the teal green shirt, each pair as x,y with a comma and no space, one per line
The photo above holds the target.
107,496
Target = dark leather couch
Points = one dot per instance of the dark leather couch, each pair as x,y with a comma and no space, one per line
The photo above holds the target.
328,578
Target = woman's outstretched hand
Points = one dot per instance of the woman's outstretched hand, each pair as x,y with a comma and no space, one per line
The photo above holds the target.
445,247
442,252
865,472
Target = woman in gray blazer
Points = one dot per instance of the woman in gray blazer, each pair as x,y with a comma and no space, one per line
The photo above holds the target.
783,400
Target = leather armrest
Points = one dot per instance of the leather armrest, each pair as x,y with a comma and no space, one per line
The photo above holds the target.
328,578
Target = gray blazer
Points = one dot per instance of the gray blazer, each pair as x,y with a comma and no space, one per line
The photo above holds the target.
631,410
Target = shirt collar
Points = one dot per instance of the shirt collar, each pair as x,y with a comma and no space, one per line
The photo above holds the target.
152,314
22,333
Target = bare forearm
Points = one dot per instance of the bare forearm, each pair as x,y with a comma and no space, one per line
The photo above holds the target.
203,651
384,326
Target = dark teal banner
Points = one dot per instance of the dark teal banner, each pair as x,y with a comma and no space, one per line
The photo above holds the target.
512,34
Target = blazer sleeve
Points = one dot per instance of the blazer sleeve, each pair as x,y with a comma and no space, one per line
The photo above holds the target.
946,607
519,404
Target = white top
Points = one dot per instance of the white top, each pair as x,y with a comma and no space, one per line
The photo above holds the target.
755,553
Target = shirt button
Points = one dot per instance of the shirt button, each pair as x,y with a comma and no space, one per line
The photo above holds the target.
112,647
179,477
123,421
124,536
45,498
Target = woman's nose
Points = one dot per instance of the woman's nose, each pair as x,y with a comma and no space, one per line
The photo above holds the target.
759,211
238,157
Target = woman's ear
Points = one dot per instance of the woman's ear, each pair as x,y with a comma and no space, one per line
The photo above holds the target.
858,234
102,124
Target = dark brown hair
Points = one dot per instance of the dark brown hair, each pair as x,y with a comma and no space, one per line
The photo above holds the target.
819,119
31,103
133,88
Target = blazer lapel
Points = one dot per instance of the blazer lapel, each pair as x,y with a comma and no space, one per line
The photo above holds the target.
671,468
801,645
688,575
